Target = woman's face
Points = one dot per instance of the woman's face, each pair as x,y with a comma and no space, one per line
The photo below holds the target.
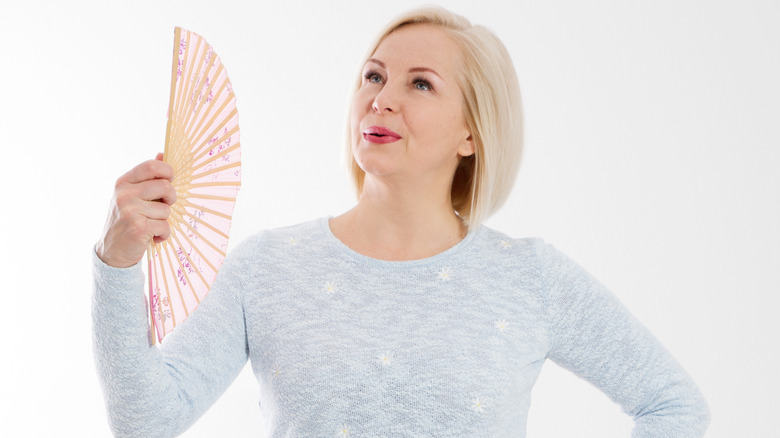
407,117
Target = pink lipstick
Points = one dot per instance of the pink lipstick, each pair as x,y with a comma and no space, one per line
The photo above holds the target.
379,134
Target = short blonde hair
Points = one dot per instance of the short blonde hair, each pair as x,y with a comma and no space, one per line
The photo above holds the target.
493,112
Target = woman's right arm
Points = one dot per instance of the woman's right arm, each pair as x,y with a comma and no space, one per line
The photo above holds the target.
151,391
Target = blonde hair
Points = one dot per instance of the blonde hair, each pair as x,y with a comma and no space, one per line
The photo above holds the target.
493,112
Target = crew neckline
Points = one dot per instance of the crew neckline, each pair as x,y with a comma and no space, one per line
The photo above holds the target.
324,224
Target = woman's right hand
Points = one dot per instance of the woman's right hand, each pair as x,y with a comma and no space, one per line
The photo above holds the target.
139,213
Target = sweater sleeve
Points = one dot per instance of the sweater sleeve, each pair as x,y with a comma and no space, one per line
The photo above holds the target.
159,391
595,337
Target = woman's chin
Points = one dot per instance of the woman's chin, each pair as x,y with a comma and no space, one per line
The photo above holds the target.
377,166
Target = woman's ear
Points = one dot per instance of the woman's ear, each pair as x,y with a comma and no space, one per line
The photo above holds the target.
466,148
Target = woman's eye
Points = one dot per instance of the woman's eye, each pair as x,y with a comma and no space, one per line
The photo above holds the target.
373,77
422,85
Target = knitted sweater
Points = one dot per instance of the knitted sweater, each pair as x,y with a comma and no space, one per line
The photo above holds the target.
345,345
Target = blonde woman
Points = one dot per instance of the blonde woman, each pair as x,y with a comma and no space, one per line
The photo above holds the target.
404,316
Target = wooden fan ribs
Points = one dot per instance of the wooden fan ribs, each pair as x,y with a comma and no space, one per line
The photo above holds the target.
167,293
178,288
187,277
203,147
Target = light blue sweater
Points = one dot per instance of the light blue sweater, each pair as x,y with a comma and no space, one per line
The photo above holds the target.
345,345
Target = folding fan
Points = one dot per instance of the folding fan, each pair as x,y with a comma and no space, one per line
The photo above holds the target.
202,146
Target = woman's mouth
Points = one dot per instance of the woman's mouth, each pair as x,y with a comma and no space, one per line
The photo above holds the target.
379,134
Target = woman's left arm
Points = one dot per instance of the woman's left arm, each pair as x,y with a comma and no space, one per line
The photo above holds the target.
594,336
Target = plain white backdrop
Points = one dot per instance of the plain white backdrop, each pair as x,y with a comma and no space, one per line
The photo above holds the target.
652,158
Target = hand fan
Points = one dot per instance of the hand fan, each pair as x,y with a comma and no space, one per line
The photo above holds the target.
202,145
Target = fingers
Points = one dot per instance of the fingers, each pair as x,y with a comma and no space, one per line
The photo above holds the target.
156,189
139,212
148,170
160,230
148,199
151,180
155,210
126,238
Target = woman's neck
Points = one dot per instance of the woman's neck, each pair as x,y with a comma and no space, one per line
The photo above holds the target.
399,224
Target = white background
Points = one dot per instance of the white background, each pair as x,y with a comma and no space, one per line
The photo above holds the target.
653,149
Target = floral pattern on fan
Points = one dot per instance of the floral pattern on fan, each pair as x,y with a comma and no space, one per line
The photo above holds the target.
202,145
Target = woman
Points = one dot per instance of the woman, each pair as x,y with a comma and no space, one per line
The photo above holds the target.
402,316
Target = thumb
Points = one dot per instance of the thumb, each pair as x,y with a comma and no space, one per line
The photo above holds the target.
159,156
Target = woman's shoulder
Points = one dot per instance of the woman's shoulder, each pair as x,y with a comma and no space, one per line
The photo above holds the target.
534,251
518,245
274,238
291,234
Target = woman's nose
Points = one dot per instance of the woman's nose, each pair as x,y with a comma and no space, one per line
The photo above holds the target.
386,100
378,109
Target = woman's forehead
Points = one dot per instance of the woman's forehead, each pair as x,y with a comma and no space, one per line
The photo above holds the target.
418,46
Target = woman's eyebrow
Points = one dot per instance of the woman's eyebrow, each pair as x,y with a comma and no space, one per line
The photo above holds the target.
419,69
411,70
376,61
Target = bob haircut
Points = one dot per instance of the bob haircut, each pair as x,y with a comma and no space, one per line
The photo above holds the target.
492,108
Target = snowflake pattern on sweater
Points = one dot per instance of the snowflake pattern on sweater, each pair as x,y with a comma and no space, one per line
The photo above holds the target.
347,345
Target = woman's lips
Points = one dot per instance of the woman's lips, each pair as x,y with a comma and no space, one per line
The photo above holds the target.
379,134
